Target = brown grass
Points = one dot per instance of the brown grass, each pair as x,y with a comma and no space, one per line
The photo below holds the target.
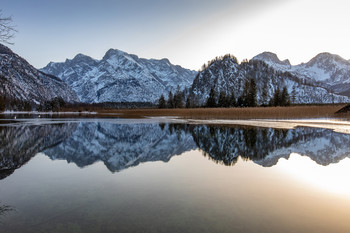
294,112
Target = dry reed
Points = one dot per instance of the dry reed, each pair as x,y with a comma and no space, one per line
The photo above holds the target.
293,112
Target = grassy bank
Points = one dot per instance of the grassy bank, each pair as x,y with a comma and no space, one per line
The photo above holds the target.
293,112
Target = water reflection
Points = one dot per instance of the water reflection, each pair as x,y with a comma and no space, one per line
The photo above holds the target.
266,146
120,146
19,144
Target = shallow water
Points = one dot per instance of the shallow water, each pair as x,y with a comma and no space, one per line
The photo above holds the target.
149,176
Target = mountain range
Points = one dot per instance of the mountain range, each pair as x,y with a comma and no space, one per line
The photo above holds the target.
120,77
123,77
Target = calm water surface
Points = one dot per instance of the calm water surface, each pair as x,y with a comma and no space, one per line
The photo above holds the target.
146,176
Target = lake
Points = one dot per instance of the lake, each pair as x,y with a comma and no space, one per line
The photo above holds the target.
158,175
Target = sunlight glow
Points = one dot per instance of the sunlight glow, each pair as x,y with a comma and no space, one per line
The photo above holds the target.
333,178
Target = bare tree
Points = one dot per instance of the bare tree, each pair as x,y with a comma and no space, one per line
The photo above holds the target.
7,29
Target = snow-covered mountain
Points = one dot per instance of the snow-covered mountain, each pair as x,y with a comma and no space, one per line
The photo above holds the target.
228,76
120,77
19,80
326,70
120,146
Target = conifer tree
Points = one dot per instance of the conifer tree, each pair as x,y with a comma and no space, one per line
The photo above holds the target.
251,100
161,102
211,101
264,95
2,104
294,95
232,101
188,102
285,99
222,100
178,98
243,99
170,100
276,98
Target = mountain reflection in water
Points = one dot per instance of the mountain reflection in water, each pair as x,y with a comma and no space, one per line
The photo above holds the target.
120,146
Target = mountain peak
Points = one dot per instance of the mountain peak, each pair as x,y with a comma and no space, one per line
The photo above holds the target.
270,57
112,52
82,58
327,58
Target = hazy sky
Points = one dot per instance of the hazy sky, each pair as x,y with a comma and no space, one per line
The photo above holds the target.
188,32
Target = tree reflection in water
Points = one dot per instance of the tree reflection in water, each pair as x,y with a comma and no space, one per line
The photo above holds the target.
265,146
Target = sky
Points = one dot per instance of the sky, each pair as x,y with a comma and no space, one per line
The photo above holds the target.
187,32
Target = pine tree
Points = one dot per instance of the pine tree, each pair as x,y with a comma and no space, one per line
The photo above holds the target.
211,101
240,101
188,102
264,95
285,99
170,100
178,99
294,95
276,98
2,104
251,98
161,102
243,99
232,100
222,100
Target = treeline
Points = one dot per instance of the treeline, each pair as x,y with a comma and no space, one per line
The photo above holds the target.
14,104
248,98
108,105
58,104
55,105
174,100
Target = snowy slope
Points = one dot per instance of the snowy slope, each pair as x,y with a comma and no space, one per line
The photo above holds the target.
326,70
228,76
20,80
120,77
